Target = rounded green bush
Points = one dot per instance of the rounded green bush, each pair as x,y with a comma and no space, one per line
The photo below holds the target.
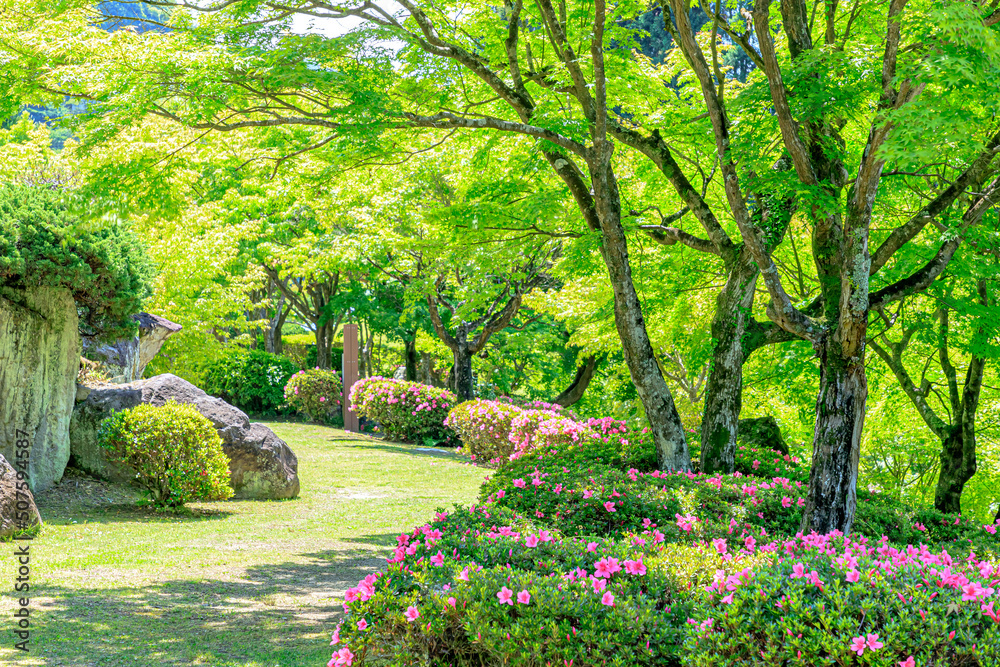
252,380
175,452
315,394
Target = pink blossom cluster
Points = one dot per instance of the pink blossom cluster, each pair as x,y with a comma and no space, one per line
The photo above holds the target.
404,410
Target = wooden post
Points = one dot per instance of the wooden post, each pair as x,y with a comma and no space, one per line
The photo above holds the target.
349,374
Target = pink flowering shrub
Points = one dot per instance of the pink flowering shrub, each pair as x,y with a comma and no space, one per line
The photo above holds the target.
525,404
486,585
489,587
484,428
833,600
571,488
405,411
315,394
762,462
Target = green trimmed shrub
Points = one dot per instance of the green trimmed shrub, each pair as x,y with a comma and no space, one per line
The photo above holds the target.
316,395
252,380
46,240
176,452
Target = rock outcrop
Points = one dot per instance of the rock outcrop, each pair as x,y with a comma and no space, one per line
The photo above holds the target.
261,465
18,512
129,357
762,432
39,360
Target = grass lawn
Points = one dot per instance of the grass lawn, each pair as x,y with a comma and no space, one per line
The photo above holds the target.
253,584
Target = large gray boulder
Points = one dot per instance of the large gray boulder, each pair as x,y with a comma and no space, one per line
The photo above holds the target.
130,356
39,361
261,465
18,512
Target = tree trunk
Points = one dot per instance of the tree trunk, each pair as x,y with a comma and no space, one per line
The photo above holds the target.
958,465
664,421
724,393
958,451
573,393
323,344
840,416
410,346
462,374
272,337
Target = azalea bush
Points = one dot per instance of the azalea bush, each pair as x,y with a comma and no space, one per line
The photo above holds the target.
316,395
831,600
484,429
405,411
763,462
487,585
526,404
570,555
542,428
482,586
176,452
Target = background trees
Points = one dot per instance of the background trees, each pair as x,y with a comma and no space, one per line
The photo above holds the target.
671,165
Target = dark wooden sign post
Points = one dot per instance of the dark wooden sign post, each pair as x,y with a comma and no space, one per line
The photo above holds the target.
349,374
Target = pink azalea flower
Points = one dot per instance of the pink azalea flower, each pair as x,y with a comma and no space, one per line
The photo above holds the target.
531,541
909,662
798,571
606,567
362,624
342,658
853,576
786,502
636,567
524,597
519,483
591,546
728,599
608,600
336,637
451,602
858,645
599,585
438,559
720,545
505,595
873,642
610,506
411,613
802,502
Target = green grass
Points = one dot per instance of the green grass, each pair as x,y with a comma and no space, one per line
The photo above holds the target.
244,583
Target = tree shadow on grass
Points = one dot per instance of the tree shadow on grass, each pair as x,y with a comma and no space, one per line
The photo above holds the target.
62,515
280,615
413,450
